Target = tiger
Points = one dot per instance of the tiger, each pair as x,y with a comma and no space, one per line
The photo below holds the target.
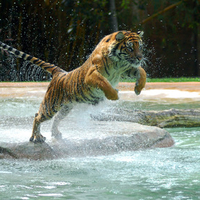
90,83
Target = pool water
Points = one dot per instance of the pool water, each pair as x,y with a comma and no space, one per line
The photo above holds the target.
161,173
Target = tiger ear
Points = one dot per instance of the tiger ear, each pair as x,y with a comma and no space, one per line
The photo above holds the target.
140,33
119,36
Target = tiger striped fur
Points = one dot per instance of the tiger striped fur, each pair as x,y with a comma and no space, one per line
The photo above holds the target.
90,83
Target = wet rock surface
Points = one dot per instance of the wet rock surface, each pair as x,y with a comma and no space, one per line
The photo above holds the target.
128,137
163,119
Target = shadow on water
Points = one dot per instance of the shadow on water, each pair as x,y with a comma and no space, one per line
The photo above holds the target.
167,173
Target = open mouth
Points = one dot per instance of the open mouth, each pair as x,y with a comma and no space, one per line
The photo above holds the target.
135,63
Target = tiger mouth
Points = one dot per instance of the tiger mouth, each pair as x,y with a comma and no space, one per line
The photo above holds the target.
135,63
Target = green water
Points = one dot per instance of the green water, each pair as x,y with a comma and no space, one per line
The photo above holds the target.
167,173
170,173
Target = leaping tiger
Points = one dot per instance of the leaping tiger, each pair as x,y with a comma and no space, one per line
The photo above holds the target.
90,83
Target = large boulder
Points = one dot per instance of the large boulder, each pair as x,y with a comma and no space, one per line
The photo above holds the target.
116,137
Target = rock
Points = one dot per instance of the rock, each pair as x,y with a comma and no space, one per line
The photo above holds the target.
126,137
163,119
26,150
130,137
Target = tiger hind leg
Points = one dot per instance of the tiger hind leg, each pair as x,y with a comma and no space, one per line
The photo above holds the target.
58,117
36,136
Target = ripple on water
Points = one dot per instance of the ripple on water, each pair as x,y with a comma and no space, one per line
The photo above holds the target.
167,173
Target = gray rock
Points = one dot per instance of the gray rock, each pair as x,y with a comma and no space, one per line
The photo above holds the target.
126,136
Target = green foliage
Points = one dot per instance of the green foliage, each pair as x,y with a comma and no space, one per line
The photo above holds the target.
65,32
181,79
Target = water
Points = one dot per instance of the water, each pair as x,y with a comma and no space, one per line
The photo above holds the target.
167,173
171,173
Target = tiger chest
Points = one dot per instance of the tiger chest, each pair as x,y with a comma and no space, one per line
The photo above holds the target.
113,72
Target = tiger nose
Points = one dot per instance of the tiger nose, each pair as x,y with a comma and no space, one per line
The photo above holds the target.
139,56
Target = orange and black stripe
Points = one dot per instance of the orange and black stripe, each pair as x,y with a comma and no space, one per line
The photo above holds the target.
50,68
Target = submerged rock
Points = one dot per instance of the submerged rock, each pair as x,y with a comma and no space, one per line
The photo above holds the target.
126,136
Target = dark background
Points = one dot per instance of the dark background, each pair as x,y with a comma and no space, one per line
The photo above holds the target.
65,32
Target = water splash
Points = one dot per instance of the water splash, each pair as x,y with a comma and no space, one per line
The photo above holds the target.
13,70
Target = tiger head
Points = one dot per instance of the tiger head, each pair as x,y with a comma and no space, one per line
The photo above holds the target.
125,46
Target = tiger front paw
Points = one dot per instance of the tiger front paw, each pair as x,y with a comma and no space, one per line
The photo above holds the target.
137,90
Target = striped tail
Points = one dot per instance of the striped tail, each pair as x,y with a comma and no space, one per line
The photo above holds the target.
50,68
